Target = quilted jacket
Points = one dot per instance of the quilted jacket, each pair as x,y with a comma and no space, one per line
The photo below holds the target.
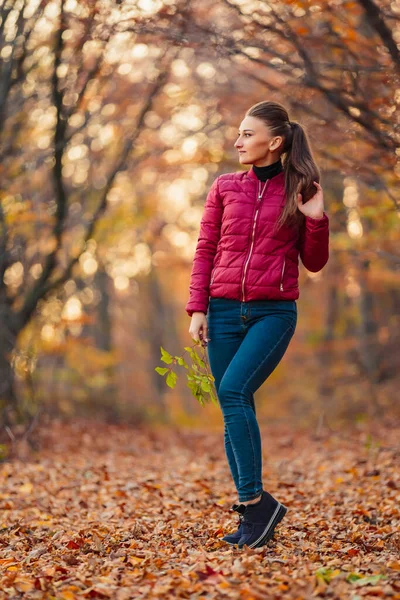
238,253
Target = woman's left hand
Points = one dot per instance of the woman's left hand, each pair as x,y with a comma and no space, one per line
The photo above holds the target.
314,207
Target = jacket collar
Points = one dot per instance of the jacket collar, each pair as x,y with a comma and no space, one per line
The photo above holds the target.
251,175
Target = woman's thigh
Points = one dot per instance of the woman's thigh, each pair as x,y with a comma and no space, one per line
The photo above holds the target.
226,334
264,345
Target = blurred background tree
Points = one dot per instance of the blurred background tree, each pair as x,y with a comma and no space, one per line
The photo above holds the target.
115,117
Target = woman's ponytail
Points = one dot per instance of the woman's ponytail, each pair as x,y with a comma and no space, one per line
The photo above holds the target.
299,166
300,171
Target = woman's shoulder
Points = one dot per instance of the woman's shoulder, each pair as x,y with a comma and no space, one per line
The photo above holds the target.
233,175
227,179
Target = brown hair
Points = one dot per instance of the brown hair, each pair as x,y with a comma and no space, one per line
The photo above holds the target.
299,165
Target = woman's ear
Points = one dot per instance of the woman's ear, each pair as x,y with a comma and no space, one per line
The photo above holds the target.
276,143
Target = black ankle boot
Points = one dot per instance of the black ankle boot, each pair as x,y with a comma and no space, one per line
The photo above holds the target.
260,520
233,538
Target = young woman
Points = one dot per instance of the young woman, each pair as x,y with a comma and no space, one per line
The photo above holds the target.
244,287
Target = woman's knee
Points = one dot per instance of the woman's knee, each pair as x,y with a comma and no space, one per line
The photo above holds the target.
231,393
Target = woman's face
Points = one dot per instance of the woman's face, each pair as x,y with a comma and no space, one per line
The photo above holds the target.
255,144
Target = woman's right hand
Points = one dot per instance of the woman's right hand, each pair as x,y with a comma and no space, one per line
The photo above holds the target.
199,328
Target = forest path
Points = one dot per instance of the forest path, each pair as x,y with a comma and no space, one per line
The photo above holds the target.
110,511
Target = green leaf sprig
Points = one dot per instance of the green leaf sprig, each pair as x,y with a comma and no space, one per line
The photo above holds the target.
199,377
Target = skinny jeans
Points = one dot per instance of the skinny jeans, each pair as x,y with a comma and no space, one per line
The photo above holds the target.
247,342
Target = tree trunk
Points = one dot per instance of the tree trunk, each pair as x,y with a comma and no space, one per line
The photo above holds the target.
333,275
368,343
102,331
8,338
159,328
103,337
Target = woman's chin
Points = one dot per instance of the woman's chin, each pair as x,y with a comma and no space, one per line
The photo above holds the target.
243,159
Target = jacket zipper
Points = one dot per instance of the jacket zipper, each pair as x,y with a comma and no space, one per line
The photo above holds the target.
283,270
259,198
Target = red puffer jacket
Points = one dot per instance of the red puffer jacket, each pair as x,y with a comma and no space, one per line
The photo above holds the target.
239,256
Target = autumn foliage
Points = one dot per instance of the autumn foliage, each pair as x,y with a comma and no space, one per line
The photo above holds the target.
140,514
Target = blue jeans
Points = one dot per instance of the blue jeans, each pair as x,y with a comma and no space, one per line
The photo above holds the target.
247,341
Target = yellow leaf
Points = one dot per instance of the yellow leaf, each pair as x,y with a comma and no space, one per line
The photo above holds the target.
66,595
26,488
7,561
24,585
224,584
135,560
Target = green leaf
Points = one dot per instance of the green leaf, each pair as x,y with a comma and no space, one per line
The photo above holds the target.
171,379
327,574
205,386
196,358
360,580
161,370
352,577
181,361
165,356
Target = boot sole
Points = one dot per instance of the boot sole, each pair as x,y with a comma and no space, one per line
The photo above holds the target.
230,543
268,532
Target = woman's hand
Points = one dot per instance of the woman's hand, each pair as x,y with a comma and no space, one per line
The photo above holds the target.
199,328
314,208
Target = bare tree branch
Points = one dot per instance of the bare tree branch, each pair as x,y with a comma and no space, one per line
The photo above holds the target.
3,247
45,287
328,86
59,189
7,66
375,19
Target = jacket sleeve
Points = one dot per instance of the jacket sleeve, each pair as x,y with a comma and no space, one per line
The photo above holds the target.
210,229
314,243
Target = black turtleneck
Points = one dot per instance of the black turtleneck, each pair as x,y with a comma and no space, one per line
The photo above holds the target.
264,173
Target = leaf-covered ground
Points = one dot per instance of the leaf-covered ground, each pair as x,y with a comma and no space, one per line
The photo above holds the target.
113,512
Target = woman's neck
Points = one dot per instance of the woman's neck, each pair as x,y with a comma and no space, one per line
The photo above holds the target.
264,173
